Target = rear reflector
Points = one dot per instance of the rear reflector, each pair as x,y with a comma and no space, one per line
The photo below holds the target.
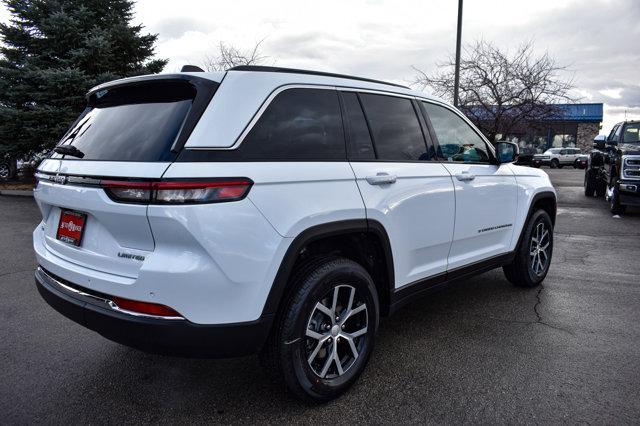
145,308
177,192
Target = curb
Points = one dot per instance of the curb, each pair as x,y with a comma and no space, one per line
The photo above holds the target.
16,192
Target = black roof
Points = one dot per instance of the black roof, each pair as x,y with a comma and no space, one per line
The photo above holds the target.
309,72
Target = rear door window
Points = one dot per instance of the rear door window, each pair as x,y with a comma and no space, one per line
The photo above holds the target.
395,128
360,146
132,123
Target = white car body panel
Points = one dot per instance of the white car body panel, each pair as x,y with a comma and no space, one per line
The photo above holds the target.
483,228
417,211
293,196
530,182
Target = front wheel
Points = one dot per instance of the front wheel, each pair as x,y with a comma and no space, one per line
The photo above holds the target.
589,183
614,202
533,257
554,164
326,331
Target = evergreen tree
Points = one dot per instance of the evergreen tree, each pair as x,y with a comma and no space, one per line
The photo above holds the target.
52,52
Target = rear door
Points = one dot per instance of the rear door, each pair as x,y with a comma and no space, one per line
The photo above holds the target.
125,134
402,185
485,193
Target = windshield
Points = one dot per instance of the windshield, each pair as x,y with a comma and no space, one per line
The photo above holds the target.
552,151
131,123
631,133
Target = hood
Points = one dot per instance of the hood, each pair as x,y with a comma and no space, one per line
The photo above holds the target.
629,149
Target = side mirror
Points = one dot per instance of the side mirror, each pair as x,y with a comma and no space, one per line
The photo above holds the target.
599,141
507,152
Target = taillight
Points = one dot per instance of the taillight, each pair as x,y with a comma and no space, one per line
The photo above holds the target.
145,307
177,191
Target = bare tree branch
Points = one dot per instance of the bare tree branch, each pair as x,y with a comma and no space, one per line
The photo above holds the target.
500,91
229,56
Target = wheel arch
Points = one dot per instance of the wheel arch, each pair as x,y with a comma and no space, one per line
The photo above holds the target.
362,240
545,200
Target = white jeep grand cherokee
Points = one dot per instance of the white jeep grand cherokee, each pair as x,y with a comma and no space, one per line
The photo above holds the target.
275,211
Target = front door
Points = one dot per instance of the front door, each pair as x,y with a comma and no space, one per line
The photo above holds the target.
485,193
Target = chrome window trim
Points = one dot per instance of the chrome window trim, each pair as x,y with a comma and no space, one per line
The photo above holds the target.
281,89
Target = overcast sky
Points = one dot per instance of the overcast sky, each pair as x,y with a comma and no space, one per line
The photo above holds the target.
598,39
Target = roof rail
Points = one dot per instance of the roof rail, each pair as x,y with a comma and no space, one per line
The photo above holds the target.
309,72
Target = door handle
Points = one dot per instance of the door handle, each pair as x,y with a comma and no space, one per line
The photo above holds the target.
465,176
381,178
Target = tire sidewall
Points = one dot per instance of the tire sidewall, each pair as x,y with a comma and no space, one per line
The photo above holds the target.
531,277
292,340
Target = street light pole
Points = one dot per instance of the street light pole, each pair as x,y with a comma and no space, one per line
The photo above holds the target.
456,83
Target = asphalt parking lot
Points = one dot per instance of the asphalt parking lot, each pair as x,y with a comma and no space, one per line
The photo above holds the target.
481,351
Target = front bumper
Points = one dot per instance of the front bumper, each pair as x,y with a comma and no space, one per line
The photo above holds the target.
156,335
629,191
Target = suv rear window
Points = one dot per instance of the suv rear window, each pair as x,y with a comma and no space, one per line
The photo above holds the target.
132,123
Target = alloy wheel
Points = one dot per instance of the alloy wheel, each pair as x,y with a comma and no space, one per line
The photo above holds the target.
336,332
539,249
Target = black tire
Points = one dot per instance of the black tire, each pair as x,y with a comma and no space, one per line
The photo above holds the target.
289,346
589,183
614,202
521,271
555,164
5,171
575,164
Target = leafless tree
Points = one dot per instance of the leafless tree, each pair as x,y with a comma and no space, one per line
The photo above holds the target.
500,91
229,56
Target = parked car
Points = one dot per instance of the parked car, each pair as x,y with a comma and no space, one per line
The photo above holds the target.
581,161
22,166
614,167
276,211
556,158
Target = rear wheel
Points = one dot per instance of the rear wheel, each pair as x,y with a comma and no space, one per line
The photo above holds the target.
326,331
533,258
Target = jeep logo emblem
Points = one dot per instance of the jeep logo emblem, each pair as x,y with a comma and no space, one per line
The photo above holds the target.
60,179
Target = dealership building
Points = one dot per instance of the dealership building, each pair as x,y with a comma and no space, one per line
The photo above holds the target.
575,125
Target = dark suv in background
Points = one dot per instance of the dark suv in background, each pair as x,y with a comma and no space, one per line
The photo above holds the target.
614,167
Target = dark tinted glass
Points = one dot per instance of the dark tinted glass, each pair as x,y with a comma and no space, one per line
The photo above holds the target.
299,124
631,133
138,123
458,142
360,146
395,128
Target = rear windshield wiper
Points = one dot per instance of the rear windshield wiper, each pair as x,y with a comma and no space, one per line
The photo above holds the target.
69,150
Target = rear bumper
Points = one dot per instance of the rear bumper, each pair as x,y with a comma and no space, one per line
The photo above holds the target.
156,335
